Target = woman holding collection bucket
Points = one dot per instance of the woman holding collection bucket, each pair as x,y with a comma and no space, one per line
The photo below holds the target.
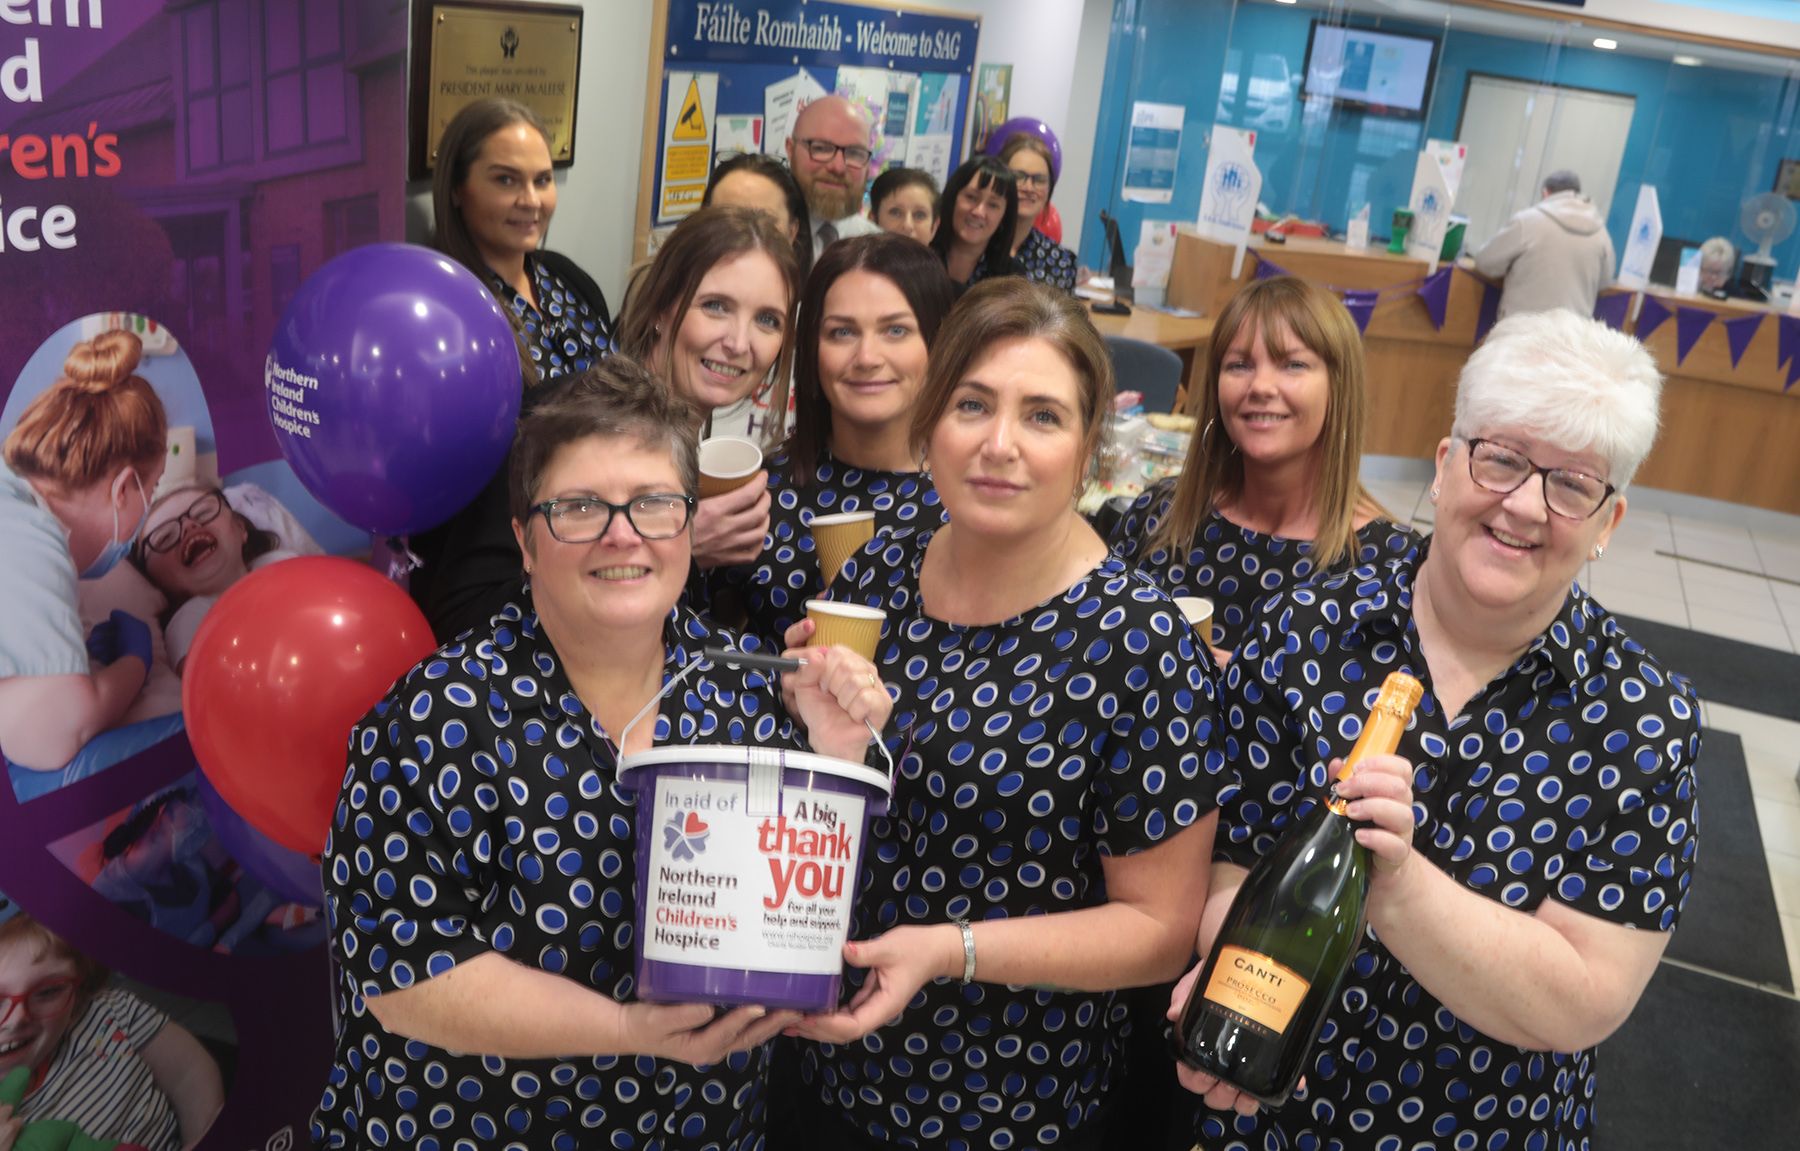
1271,492
479,877
713,315
867,322
1055,806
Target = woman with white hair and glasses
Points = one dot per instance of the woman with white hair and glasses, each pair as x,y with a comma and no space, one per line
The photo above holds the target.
1533,838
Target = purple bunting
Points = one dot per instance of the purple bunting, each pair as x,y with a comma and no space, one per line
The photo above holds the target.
1361,305
1611,310
1739,332
1793,373
1690,325
1788,340
1435,291
1490,311
1651,316
1267,268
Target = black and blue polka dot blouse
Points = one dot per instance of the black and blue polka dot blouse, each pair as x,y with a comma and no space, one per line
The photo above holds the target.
1569,777
1031,748
480,813
566,333
1231,565
774,590
1044,260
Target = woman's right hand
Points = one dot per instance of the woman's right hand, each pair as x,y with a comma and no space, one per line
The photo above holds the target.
1219,1095
692,1033
730,528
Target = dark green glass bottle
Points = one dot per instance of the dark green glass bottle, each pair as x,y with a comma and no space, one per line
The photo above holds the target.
1288,938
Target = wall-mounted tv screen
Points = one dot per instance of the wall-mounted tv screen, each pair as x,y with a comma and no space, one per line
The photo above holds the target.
1359,67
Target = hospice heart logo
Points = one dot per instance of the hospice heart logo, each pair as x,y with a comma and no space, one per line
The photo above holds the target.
684,836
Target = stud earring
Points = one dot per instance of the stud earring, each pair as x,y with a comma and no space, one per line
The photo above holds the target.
1599,550
1434,494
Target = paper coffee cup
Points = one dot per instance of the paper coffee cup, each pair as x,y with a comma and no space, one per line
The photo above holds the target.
846,624
838,537
727,462
1198,611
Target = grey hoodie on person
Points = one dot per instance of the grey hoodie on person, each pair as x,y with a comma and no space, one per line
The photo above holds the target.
1554,254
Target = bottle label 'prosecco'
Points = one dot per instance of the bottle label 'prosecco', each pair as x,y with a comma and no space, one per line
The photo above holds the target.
1256,987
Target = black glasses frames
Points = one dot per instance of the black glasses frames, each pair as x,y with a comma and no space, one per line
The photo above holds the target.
579,519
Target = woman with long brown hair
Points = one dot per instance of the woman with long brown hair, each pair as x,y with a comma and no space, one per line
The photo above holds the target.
1271,492
492,197
713,316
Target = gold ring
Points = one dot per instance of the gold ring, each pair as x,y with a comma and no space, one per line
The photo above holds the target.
874,682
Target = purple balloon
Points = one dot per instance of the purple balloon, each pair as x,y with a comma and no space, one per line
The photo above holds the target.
1029,126
288,873
393,384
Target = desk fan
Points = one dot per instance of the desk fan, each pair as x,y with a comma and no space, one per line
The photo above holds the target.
1767,218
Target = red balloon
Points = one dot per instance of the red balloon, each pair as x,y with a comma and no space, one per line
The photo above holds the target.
1049,222
282,667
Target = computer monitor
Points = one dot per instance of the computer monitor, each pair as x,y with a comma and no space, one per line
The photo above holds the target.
1667,264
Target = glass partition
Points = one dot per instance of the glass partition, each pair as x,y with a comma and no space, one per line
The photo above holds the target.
1343,95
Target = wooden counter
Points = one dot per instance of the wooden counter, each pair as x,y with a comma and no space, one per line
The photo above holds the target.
1728,433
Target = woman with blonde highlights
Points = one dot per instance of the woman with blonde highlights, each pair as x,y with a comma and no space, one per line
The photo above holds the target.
1270,493
74,491
713,316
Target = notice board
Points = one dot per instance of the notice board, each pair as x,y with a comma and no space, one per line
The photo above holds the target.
728,77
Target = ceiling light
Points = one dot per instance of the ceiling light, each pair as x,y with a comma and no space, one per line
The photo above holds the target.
1603,42
1687,61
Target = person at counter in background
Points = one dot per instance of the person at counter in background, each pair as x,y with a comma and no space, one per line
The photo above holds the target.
1271,492
977,216
1040,258
1719,276
1554,254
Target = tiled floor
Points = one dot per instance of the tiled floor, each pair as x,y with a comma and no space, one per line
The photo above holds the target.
1718,568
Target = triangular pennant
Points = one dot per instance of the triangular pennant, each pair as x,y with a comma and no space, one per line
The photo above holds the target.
1787,341
1267,268
1651,316
1361,305
1793,373
1435,291
1611,310
1690,325
1490,310
1739,332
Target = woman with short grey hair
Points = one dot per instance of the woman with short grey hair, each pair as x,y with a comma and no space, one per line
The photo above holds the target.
1534,836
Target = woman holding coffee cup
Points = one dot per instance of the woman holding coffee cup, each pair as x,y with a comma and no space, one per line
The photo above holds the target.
713,316
848,472
1271,492
1054,812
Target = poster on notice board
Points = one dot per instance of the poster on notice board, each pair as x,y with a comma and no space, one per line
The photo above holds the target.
175,170
911,72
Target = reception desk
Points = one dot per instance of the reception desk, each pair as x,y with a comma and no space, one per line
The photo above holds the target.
1728,433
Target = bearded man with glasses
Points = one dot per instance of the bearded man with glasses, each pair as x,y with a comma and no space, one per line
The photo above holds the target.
830,154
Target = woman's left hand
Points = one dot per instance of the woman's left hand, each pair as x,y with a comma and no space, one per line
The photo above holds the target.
1380,794
900,962
838,696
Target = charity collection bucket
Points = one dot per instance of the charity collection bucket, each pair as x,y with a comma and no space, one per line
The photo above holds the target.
747,864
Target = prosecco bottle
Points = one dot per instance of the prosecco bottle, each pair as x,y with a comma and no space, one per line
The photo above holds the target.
1288,937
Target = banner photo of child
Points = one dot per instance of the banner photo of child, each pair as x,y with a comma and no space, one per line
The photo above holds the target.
83,1054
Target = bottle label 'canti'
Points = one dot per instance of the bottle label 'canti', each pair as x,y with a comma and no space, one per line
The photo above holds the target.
1256,987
